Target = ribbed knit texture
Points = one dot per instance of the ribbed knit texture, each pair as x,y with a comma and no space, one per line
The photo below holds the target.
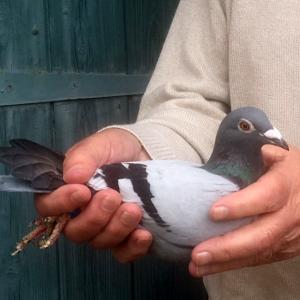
220,55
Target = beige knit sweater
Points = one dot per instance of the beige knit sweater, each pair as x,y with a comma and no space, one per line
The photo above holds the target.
220,55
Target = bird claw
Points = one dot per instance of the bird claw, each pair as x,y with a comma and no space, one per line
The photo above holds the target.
54,232
47,230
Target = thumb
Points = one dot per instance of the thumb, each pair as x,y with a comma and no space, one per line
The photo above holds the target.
109,146
84,157
273,154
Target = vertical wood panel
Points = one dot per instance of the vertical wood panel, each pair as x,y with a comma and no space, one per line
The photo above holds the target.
5,36
75,120
155,279
147,23
34,274
87,35
23,35
133,108
86,273
79,35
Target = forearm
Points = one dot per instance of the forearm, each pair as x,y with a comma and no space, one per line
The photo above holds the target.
188,93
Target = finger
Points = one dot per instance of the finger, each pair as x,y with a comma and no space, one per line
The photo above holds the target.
135,246
272,154
94,217
63,200
83,158
111,145
264,258
268,194
121,225
200,271
251,240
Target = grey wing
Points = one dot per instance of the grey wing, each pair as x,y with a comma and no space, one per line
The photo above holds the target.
131,180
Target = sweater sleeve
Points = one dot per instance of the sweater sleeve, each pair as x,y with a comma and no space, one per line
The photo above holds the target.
188,93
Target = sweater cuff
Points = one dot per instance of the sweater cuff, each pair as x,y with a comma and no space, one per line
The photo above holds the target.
160,142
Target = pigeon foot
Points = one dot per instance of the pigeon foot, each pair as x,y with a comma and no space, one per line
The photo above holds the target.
47,230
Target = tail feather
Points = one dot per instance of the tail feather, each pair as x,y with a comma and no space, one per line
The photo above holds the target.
36,165
31,170
10,183
30,147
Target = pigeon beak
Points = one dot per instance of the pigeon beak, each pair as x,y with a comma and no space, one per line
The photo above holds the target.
274,137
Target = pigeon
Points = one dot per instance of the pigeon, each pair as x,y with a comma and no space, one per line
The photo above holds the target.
175,196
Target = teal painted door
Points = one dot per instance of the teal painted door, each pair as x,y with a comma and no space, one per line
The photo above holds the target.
67,69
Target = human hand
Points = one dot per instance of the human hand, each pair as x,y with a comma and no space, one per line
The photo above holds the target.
104,222
273,236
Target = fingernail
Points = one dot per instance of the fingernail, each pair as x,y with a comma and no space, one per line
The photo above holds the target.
108,205
127,219
220,212
203,258
76,196
143,243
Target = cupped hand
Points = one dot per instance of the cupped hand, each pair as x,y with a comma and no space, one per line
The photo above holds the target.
104,221
273,236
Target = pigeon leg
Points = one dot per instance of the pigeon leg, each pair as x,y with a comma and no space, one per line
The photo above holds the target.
34,234
47,230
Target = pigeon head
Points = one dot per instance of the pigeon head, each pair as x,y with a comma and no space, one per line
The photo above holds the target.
249,126
237,150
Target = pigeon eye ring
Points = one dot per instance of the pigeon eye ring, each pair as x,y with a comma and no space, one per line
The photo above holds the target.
245,126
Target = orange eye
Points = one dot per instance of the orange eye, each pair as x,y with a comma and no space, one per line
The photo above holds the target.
245,126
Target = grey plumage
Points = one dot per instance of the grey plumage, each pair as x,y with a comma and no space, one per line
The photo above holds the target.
175,195
38,165
182,192
9,183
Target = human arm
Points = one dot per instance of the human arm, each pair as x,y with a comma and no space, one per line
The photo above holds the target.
188,94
